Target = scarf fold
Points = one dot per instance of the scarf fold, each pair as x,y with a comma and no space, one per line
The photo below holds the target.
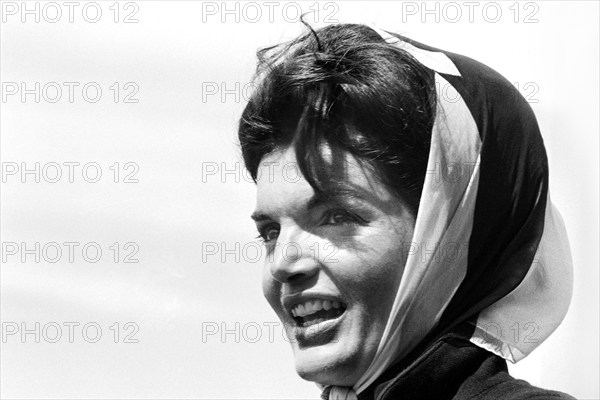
488,242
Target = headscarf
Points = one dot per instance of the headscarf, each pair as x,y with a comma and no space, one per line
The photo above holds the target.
489,247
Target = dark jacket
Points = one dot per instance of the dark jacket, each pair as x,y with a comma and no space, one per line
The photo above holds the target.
454,368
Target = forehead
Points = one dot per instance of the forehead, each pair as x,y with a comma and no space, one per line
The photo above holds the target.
279,183
282,188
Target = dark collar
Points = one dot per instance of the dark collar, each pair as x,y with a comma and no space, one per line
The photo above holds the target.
436,369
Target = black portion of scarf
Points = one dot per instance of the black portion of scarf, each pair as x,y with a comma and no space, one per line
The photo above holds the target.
513,185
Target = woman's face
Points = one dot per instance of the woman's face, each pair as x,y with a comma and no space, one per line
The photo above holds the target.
333,264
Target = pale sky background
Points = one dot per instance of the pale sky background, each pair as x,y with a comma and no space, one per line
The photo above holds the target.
174,214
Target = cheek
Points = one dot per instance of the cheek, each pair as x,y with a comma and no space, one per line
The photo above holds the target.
372,276
380,282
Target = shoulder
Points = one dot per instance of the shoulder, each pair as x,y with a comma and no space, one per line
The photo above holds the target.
492,381
515,389
454,368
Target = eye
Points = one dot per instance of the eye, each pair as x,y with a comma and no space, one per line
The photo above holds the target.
268,232
340,216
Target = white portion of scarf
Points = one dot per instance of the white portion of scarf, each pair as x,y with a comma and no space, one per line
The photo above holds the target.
516,324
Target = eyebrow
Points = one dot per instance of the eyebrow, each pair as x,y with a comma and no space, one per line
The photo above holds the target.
317,200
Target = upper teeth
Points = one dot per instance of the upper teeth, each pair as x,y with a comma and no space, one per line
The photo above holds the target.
312,306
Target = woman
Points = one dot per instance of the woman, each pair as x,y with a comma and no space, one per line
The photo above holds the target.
418,249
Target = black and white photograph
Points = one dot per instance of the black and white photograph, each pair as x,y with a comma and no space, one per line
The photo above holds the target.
320,200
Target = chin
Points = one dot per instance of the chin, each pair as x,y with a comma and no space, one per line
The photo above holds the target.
336,351
327,369
339,363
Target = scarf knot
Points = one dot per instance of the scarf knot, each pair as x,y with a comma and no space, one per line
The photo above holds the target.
338,393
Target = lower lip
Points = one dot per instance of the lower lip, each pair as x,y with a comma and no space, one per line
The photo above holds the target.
318,334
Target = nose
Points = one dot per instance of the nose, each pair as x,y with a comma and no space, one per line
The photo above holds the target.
292,260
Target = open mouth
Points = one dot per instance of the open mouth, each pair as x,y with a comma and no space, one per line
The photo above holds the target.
315,311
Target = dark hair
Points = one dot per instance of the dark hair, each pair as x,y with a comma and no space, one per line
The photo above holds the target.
343,86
